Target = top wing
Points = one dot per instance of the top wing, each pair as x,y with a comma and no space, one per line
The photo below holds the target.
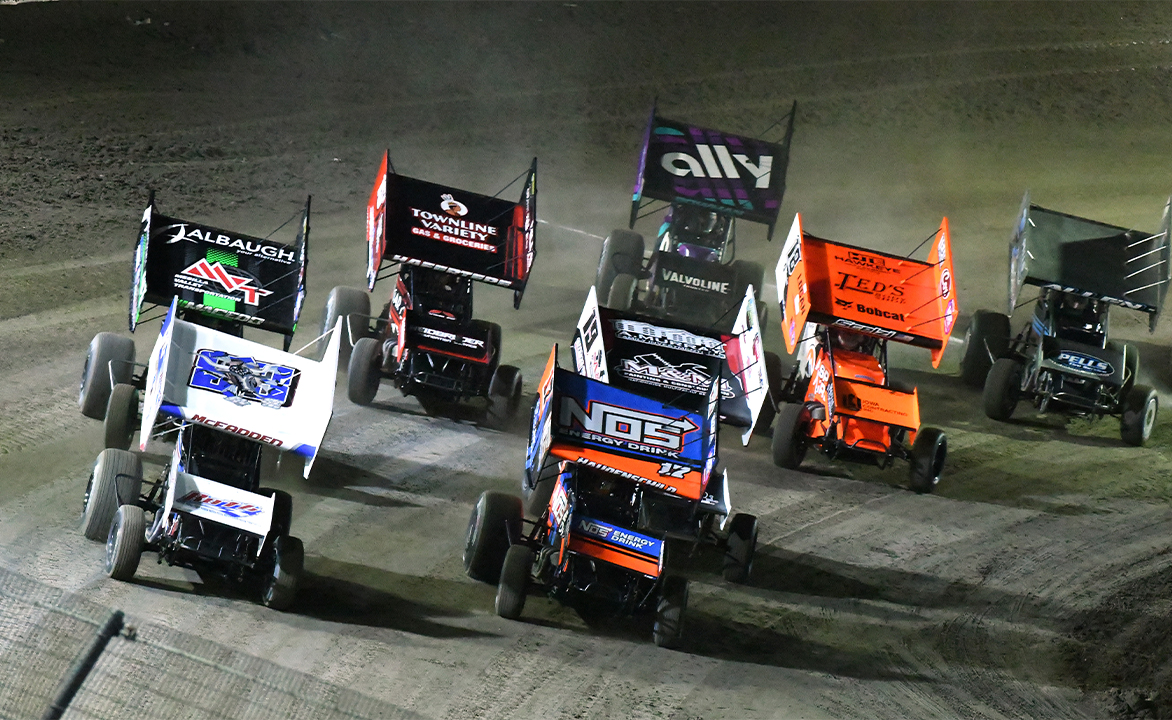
867,291
731,174
242,387
218,272
1124,267
421,223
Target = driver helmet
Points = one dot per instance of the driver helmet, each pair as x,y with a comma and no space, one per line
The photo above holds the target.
699,233
846,340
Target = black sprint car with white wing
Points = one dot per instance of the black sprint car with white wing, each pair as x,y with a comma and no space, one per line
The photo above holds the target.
1063,360
435,241
709,179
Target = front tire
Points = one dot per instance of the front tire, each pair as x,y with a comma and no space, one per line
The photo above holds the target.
495,521
1002,389
987,335
668,630
125,542
108,355
789,443
116,480
927,461
622,253
514,582
364,372
1139,415
742,546
504,395
121,416
280,585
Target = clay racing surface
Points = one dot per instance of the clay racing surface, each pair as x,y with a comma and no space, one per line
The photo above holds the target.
1033,584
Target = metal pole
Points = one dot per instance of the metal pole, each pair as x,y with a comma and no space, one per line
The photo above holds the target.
82,666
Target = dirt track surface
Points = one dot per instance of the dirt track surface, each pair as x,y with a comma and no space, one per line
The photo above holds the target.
1034,584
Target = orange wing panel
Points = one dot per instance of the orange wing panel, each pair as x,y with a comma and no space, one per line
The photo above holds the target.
880,404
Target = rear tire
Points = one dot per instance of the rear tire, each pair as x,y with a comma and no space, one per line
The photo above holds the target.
927,461
622,253
1002,389
108,354
280,585
536,499
987,333
1139,415
789,445
668,630
495,521
504,395
106,491
342,302
742,546
622,293
125,542
121,416
364,372
514,582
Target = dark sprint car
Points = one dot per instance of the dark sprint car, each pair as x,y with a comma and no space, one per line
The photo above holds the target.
1062,359
229,400
220,279
620,481
426,339
709,179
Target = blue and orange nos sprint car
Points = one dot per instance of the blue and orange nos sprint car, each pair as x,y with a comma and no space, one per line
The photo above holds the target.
633,477
840,306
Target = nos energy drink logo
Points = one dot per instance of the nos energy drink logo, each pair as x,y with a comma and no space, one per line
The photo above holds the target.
1084,363
625,538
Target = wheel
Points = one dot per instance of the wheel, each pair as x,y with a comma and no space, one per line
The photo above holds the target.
1002,389
987,335
789,445
288,563
125,542
669,614
927,462
364,372
622,252
342,302
622,292
510,591
1139,415
495,520
742,546
115,480
108,355
504,395
282,511
121,416
773,397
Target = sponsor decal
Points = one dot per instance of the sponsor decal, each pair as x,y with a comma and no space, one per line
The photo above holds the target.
871,329
822,387
945,283
672,338
618,536
559,506
949,316
673,470
859,307
859,284
941,250
452,206
236,430
716,162
864,261
226,508
843,302
244,380
623,427
651,369
251,246
230,314
1084,363
201,275
1081,293
451,338
448,227
587,462
671,276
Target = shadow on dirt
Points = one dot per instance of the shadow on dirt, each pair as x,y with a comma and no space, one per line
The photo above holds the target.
342,476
